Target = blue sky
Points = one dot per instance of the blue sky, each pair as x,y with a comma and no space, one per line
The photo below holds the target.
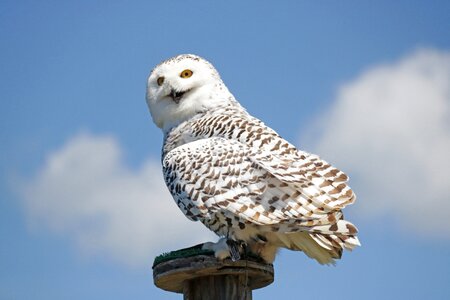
363,84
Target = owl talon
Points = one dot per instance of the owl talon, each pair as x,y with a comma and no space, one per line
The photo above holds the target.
234,250
221,249
225,248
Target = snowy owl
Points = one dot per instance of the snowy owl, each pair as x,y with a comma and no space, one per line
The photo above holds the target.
237,176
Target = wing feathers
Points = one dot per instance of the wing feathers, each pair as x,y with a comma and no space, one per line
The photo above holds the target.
216,176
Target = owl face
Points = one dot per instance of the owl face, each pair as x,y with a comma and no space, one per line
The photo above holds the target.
181,87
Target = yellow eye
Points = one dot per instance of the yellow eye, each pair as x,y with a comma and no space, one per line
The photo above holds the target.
186,73
160,80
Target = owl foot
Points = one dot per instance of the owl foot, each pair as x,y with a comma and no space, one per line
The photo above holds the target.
225,248
234,250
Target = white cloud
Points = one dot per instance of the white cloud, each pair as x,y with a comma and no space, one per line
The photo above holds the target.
390,129
86,191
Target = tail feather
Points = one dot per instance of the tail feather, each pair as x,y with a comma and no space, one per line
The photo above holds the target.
302,241
322,243
341,234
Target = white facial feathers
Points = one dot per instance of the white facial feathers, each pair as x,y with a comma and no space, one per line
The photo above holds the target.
183,86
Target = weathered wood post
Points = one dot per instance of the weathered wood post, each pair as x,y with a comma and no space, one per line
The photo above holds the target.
198,275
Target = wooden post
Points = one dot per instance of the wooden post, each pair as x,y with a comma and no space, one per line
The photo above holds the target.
203,277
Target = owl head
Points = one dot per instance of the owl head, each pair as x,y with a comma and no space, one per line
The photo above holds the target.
183,86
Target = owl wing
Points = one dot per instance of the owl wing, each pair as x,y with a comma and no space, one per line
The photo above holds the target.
214,175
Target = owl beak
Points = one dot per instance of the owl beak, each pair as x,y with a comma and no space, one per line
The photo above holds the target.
176,96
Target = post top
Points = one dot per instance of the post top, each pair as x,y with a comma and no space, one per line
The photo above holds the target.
170,275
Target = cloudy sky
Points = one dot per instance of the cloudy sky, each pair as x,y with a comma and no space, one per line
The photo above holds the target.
83,208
